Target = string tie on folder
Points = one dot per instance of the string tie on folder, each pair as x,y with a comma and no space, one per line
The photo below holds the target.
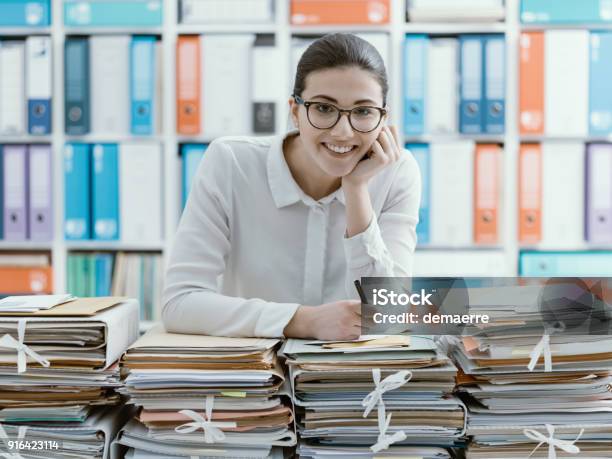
5,439
565,445
212,429
391,382
543,347
375,398
22,348
384,440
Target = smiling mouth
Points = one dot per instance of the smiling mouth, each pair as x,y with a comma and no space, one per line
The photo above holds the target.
339,150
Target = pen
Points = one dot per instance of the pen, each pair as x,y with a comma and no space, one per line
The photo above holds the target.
364,300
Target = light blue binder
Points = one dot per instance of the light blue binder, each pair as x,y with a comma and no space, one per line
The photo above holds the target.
565,11
415,83
104,267
495,84
566,264
105,191
77,192
600,96
25,13
113,13
142,84
471,92
192,154
420,151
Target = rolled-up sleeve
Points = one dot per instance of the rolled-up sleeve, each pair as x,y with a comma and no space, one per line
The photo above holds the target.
202,243
386,247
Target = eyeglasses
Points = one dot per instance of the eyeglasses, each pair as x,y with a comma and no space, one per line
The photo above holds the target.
323,115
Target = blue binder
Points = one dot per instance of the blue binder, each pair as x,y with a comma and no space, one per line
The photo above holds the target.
104,270
471,72
39,109
25,13
105,192
192,154
566,264
420,151
415,83
495,84
600,96
76,86
565,11
142,84
113,13
77,221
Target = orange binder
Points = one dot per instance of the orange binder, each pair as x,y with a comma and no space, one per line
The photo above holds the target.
530,193
531,83
486,193
308,12
20,280
188,85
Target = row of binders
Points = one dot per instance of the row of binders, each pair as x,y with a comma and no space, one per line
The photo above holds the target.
565,194
25,86
135,275
208,66
26,192
454,84
461,193
113,192
550,63
129,68
101,13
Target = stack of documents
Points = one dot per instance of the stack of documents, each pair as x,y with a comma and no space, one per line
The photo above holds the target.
330,380
168,373
504,398
61,385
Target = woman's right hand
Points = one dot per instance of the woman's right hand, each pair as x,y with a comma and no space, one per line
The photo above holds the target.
340,320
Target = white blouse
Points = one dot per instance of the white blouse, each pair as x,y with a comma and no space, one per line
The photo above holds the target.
251,246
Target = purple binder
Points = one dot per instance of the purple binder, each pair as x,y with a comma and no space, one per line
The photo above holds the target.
15,192
40,193
599,193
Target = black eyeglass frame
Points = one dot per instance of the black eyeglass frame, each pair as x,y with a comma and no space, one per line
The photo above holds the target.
308,103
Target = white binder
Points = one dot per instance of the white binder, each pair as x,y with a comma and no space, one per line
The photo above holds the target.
566,82
140,191
110,91
12,88
442,86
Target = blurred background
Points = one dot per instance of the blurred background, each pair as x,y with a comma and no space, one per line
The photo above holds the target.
106,108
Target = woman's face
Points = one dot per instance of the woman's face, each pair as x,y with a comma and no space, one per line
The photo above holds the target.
346,88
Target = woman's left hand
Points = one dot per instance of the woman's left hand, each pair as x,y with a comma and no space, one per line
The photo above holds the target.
385,150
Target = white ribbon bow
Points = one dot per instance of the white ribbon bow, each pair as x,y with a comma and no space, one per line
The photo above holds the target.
212,429
565,445
375,397
21,348
384,440
4,437
391,382
543,347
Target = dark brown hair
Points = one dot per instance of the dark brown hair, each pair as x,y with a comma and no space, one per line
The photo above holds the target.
341,50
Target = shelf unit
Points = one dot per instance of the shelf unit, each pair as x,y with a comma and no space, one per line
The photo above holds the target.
499,260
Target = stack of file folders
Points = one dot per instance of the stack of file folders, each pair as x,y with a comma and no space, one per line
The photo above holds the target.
330,380
524,381
59,373
172,377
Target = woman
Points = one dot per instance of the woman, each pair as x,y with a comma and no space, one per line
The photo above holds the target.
276,230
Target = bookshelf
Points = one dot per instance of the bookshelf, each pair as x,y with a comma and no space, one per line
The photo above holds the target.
499,260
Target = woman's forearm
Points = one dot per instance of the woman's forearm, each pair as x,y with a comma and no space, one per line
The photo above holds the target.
358,208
